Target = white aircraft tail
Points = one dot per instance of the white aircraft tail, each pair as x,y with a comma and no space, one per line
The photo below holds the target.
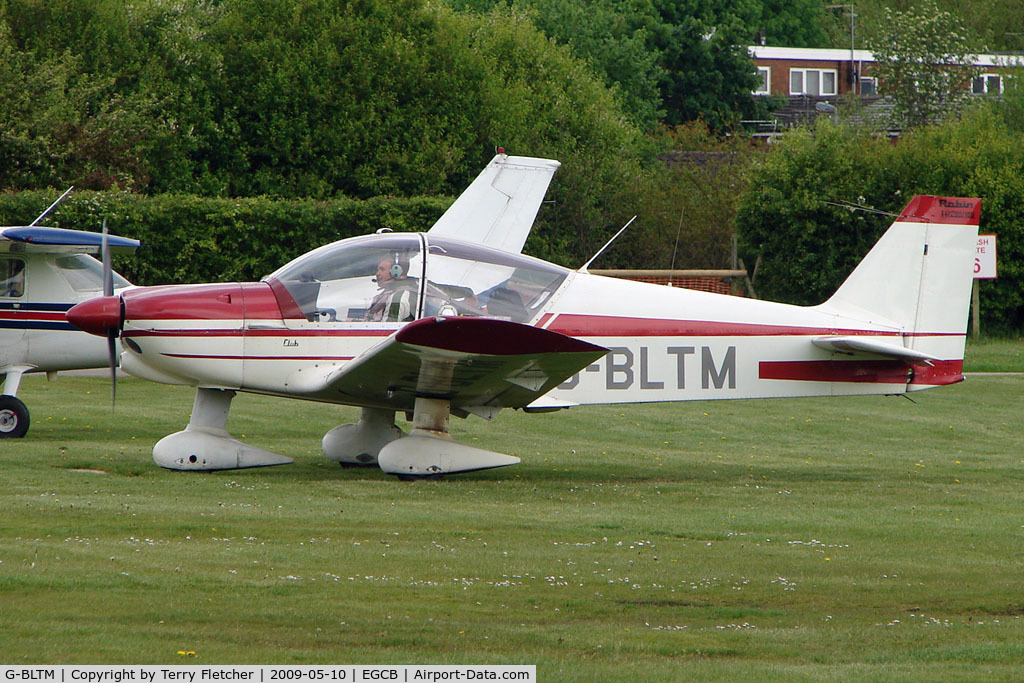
499,207
917,278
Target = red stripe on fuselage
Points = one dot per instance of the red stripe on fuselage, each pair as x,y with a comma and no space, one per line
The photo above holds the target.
575,325
198,356
59,316
578,325
873,371
240,332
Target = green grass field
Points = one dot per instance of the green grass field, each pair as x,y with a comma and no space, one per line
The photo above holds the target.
867,538
995,355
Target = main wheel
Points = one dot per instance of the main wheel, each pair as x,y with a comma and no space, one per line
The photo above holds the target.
13,417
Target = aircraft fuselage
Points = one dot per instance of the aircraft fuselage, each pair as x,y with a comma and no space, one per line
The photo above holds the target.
235,336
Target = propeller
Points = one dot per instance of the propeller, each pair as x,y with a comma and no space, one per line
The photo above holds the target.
108,290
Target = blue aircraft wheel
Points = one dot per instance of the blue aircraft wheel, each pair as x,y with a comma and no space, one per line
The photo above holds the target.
13,418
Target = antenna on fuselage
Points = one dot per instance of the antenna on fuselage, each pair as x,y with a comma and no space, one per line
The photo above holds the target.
851,206
51,207
607,244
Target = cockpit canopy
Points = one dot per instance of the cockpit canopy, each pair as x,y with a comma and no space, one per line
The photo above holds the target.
395,277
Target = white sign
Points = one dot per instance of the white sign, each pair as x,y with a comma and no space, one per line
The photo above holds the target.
985,257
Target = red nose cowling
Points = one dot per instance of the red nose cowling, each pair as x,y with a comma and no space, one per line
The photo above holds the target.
97,316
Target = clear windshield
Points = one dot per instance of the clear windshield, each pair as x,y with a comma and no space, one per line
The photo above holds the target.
84,273
341,281
384,278
476,280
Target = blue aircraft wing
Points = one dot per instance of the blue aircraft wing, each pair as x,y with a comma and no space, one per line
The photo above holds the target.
39,239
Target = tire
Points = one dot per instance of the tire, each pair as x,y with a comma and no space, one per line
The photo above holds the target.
13,418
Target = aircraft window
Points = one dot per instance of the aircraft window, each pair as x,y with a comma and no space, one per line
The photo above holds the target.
381,278
477,280
84,273
13,284
374,278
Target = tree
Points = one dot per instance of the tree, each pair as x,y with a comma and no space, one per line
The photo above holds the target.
795,217
996,23
796,23
688,215
923,59
60,121
707,73
290,98
681,60
610,35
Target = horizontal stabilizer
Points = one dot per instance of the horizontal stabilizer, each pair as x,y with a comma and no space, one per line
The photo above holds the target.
60,240
878,348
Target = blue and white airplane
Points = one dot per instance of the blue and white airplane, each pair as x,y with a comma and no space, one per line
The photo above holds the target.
43,273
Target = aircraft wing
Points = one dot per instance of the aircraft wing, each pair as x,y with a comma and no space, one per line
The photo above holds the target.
499,207
36,239
479,364
853,344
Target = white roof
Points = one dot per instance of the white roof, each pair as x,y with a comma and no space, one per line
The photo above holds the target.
841,55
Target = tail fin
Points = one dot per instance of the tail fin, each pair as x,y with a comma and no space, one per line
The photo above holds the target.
499,207
918,277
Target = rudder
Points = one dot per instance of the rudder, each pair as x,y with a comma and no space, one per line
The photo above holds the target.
918,276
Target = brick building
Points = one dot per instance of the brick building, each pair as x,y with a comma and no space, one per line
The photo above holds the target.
794,71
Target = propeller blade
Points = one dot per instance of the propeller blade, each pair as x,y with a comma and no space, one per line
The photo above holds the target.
108,273
112,359
108,290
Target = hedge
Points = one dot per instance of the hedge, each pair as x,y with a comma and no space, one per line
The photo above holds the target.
792,219
186,238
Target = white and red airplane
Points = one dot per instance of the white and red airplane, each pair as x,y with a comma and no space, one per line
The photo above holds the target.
46,271
429,325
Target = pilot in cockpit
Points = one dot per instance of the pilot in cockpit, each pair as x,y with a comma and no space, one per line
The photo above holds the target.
396,300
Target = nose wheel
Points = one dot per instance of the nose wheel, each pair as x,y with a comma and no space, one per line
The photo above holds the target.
13,417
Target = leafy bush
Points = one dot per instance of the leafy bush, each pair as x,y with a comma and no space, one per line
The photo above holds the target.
197,239
808,245
286,98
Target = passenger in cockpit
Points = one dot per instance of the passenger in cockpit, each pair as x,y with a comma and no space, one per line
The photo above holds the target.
396,300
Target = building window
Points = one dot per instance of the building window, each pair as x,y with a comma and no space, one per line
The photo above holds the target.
868,86
987,84
764,81
812,81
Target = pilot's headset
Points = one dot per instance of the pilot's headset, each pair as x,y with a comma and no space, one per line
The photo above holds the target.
399,264
397,270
